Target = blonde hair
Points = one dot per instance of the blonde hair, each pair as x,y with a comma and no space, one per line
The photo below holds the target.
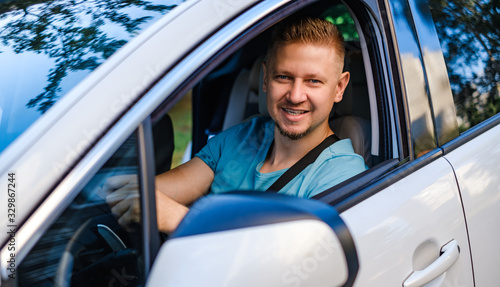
306,30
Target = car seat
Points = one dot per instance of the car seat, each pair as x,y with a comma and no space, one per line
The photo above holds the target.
163,142
243,99
350,117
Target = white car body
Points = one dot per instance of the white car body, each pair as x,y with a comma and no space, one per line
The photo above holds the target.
403,215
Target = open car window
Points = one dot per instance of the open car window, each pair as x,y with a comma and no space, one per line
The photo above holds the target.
228,91
219,105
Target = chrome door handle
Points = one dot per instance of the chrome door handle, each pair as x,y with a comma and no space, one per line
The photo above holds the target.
450,254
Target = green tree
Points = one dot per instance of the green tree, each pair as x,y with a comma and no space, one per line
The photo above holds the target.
341,17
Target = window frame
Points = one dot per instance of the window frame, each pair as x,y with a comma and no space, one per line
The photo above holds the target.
472,133
436,75
391,126
150,232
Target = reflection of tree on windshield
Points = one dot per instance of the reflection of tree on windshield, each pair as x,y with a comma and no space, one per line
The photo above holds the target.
70,32
470,36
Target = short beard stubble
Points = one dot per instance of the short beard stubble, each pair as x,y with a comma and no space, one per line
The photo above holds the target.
292,136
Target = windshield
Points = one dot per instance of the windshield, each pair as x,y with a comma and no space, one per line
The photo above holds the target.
47,47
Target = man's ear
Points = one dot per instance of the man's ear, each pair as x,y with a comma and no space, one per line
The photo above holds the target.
264,79
341,85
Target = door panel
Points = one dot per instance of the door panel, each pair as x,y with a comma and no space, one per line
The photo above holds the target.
403,228
477,167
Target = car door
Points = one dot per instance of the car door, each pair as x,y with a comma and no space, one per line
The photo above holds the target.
409,226
475,161
474,154
404,214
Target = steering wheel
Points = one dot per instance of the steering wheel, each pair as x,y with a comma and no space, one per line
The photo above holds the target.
96,256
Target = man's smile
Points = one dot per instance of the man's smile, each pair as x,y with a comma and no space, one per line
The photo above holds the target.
294,112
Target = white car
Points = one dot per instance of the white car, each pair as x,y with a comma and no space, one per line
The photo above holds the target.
94,89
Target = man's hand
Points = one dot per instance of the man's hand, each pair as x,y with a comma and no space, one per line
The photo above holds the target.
123,198
174,190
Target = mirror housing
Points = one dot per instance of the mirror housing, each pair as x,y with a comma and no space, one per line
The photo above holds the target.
257,239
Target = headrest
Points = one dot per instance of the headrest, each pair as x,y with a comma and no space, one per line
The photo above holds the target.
356,90
255,75
256,83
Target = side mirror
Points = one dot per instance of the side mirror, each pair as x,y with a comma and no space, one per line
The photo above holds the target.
257,239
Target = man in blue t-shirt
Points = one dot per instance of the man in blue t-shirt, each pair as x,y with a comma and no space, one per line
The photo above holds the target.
238,155
303,78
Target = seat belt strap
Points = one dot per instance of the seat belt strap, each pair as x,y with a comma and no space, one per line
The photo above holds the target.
299,166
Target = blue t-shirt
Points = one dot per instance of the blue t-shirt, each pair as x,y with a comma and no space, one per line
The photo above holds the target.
237,154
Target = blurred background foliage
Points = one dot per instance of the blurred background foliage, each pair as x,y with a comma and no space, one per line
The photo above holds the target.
339,15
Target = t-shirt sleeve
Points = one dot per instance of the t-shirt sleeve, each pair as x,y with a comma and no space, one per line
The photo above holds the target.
226,143
212,151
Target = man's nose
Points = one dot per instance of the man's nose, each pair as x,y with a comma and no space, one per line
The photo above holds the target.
297,92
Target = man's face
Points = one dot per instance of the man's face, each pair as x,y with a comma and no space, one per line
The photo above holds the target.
302,81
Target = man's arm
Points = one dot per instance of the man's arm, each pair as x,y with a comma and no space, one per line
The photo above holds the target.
187,182
179,187
175,189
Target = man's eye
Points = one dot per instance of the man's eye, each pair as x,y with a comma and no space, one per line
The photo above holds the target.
282,77
314,81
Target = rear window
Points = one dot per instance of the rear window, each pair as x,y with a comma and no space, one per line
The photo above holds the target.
470,39
47,47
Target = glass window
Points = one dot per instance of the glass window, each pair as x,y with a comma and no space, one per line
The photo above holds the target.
86,246
54,44
470,36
